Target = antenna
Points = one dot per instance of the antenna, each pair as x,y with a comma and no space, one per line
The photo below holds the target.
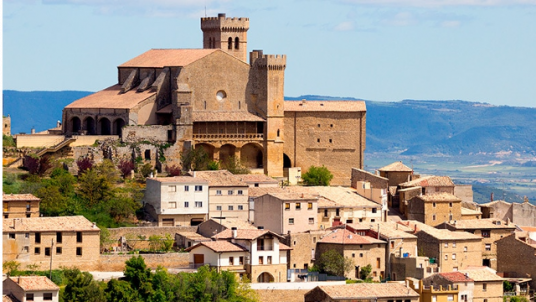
205,9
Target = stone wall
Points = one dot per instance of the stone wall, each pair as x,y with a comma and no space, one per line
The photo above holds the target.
168,260
151,133
303,248
148,231
464,192
288,295
516,259
6,130
38,140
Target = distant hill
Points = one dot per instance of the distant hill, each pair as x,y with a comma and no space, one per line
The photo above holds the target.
409,126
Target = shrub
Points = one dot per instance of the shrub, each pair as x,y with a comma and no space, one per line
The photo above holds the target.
146,170
317,176
126,167
84,164
174,170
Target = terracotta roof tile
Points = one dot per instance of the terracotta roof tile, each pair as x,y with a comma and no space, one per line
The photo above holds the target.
35,283
368,291
481,274
220,246
258,191
257,178
466,211
343,236
244,234
429,181
159,58
214,116
294,196
397,166
335,196
193,236
180,179
455,277
388,229
440,234
64,223
346,106
488,223
112,98
220,178
443,196
239,224
23,197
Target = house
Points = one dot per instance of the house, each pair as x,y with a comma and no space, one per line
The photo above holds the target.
458,280
489,229
423,186
362,250
433,293
396,173
258,180
287,212
228,194
31,288
518,213
51,241
258,254
470,214
379,292
257,192
488,286
434,208
452,251
373,186
20,205
185,239
516,258
303,252
177,201
215,226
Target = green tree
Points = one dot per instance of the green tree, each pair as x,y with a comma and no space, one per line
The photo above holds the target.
233,165
364,273
317,176
120,291
195,159
8,141
10,267
333,263
94,188
53,202
81,287
108,170
507,286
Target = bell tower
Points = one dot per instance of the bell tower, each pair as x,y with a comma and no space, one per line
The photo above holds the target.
227,34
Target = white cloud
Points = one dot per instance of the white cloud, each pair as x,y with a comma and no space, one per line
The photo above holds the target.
441,3
345,26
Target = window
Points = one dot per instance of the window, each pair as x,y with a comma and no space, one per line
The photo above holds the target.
186,204
173,205
231,260
47,296
198,204
311,220
454,244
488,247
360,255
11,235
453,256
172,188
241,260
433,204
256,185
25,249
240,192
58,250
484,287
348,221
269,260
314,239
446,257
37,250
218,192
309,206
28,207
58,237
318,125
485,233
240,208
331,125
261,260
78,251
291,221
378,262
199,188
433,217
230,43
434,298
29,297
373,220
230,208
465,249
287,206
186,188
446,244
27,235
47,251
337,212
148,154
450,204
230,192
353,255
325,212
318,140
79,237
450,217
392,244
298,206
455,269
374,210
218,208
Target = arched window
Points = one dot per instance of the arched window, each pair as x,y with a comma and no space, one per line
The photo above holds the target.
236,43
230,43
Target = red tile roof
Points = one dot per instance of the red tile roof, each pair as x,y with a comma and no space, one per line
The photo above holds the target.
159,58
63,223
397,166
429,181
343,236
257,178
246,234
443,196
112,97
220,178
368,291
180,179
23,197
220,246
455,277
345,106
35,283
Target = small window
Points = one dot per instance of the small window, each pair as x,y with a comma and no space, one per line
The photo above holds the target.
230,43
186,188
256,185
330,141
240,207
318,140
392,244
25,249
230,208
331,125
434,204
465,249
186,204
374,210
488,247
311,220
172,204
353,255
287,206
373,220
230,192
450,204
337,212
261,260
484,287
269,260
454,244
309,206
37,250
11,235
148,154
198,188
58,250
198,204
446,244
360,255
314,239
291,221
298,206
47,297
29,297
47,251
446,257
485,233
27,235
241,260
78,251
433,217
218,192
172,188
231,260
325,212
218,208
453,256
318,125
240,192
59,237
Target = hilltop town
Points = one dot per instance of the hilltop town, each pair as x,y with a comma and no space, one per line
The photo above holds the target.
194,167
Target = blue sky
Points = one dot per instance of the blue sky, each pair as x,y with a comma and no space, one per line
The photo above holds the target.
381,50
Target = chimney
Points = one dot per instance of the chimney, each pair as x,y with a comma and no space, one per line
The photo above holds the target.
234,231
58,124
32,131
491,196
260,227
378,232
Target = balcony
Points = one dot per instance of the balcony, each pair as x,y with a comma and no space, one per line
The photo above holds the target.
233,137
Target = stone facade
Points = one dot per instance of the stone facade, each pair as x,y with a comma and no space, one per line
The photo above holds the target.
6,130
516,258
433,293
303,246
434,209
518,213
20,206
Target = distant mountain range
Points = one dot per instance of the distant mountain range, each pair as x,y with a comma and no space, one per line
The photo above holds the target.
409,126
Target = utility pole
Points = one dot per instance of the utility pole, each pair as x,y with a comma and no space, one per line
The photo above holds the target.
51,253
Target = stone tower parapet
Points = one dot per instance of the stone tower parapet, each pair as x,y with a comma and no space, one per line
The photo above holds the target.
227,34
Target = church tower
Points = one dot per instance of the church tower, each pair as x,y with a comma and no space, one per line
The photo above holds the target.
227,34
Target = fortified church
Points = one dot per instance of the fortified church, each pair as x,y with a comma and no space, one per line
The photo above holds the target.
214,98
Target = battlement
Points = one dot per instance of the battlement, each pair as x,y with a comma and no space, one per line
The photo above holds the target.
225,24
272,62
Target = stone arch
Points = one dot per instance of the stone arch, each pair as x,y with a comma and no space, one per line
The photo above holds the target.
118,126
209,149
251,156
76,124
226,151
265,277
89,125
286,161
104,126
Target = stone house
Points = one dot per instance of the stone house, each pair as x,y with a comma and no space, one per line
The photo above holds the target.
215,226
177,201
518,213
488,286
259,180
362,250
6,130
20,205
516,258
470,214
452,251
257,253
227,194
396,173
67,240
257,192
423,186
490,230
303,244
373,186
434,208
461,281
433,293
185,239
30,288
287,212
379,292
215,99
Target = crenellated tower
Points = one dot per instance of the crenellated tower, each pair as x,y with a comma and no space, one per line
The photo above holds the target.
227,34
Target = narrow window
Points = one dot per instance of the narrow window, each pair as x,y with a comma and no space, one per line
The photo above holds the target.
240,106
186,188
58,250
330,141
186,204
59,237
318,140
337,212
261,260
450,204
269,260
230,208
47,251
78,251
148,154
325,212
236,43
311,220
291,221
79,236
241,260
240,192
277,132
309,205
231,260
205,105
298,206
230,43
287,206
